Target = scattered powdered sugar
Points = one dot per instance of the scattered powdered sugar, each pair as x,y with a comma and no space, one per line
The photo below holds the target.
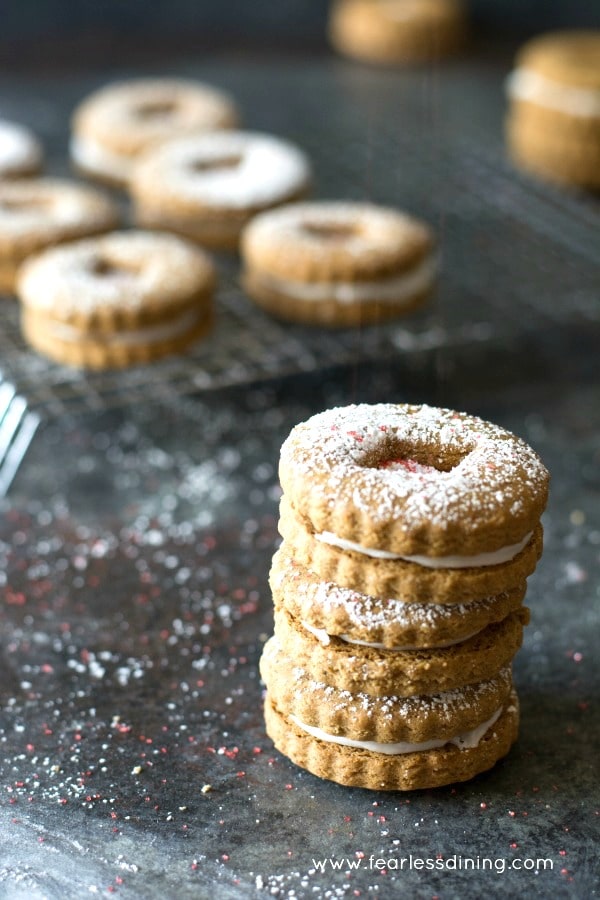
339,454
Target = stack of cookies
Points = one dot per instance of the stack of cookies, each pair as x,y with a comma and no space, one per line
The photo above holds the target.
409,533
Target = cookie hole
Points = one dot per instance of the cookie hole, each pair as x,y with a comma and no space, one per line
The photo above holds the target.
394,456
156,109
100,267
219,163
330,231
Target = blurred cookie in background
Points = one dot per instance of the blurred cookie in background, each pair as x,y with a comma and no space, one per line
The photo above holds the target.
21,153
338,264
397,31
553,124
115,125
117,300
207,188
36,213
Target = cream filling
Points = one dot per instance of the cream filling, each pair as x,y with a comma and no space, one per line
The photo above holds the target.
94,157
398,290
491,558
468,740
324,638
525,84
153,334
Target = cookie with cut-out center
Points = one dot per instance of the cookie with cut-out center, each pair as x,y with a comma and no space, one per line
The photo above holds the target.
338,264
117,300
36,213
117,124
440,488
207,188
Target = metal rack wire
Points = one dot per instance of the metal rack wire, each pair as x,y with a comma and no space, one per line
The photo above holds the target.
513,251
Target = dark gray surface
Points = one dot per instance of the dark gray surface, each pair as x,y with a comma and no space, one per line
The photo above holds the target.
135,546
260,20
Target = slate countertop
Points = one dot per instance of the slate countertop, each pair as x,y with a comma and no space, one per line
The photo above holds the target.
136,541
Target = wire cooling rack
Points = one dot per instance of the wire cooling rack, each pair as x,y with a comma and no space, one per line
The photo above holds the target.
515,254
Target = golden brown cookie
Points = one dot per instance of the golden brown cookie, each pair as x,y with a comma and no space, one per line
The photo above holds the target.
360,716
437,487
384,622
382,673
117,124
397,31
116,300
21,153
405,579
338,264
370,768
207,188
39,212
553,125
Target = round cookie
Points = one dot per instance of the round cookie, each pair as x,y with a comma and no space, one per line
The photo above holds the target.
338,264
117,124
116,300
407,580
375,770
553,125
207,188
397,31
38,213
435,487
21,153
382,673
381,622
360,716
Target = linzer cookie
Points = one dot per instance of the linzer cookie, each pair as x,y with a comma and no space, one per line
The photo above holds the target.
338,264
209,187
36,213
383,622
396,766
390,717
405,670
553,125
397,31
394,575
120,122
21,153
116,300
408,534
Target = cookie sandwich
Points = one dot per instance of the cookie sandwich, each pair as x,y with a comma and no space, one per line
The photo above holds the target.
208,188
553,123
117,300
338,264
36,213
